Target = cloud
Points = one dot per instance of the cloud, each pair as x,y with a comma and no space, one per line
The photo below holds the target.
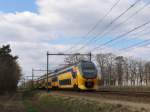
33,55
77,17
31,34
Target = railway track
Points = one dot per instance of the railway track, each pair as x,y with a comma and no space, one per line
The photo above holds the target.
109,95
126,93
112,93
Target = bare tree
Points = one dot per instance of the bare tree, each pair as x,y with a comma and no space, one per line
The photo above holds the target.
126,71
140,76
119,67
147,73
106,65
101,60
110,61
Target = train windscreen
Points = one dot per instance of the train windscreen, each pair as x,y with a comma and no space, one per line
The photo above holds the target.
89,70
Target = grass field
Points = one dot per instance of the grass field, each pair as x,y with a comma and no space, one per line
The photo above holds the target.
47,102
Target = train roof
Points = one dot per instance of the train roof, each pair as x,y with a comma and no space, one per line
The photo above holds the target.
70,65
56,71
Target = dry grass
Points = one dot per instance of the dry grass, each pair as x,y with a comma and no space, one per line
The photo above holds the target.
44,102
47,102
11,103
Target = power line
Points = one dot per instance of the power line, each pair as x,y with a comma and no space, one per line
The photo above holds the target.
142,33
134,14
126,20
143,7
122,35
97,23
145,44
107,27
134,45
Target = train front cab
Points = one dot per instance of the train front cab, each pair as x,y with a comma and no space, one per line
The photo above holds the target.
87,76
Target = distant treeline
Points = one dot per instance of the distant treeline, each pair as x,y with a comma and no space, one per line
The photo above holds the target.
122,71
10,71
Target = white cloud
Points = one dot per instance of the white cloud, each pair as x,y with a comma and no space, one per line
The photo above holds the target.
33,55
30,34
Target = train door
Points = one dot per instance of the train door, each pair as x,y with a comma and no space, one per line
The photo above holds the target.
75,79
54,82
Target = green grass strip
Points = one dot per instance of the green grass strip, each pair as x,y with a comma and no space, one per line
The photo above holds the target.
30,107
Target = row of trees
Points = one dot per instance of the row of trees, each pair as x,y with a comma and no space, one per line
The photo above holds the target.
10,71
122,71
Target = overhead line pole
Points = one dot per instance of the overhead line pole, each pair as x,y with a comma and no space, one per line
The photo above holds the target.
47,71
32,77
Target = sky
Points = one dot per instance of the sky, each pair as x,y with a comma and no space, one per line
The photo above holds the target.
33,27
18,6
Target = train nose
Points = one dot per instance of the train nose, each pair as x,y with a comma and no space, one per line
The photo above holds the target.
89,84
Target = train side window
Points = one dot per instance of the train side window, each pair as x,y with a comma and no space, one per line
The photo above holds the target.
65,82
54,79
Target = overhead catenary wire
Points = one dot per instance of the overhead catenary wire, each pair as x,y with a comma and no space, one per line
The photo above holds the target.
121,36
135,13
144,44
126,20
96,25
108,25
136,44
141,32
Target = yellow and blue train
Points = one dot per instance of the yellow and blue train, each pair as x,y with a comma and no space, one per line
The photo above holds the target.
82,75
